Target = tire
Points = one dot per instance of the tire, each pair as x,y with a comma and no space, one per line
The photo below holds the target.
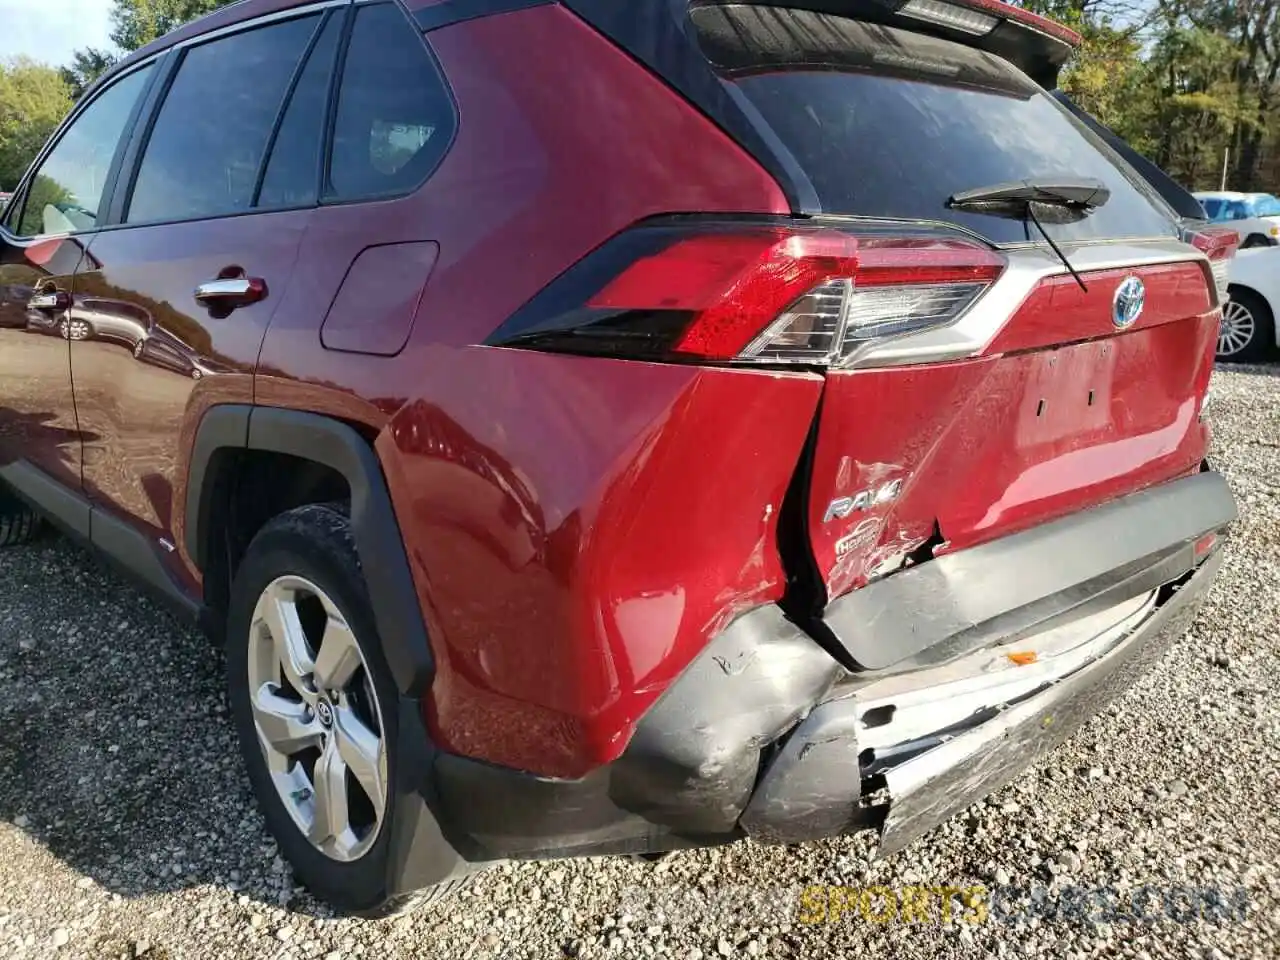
300,579
18,522
1255,240
1248,328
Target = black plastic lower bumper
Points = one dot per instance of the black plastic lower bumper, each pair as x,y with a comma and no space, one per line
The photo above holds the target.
762,734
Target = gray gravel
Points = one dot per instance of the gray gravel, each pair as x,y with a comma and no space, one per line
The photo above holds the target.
126,827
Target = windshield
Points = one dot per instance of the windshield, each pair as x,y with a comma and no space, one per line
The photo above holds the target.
1213,208
888,123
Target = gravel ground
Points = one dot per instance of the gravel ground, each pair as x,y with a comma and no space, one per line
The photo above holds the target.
127,829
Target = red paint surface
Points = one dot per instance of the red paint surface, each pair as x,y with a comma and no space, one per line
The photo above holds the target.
141,394
566,560
989,446
37,413
579,529
375,308
1058,311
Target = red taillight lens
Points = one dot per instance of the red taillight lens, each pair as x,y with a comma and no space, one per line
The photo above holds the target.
1219,244
768,293
733,283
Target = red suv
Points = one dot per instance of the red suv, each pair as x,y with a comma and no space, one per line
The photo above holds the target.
619,426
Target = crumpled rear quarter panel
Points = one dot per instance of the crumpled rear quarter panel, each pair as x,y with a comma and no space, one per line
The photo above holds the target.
579,529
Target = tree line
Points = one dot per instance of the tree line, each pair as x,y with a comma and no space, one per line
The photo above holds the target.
34,97
1192,84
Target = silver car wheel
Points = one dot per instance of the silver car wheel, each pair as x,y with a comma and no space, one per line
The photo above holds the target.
74,329
1237,329
317,717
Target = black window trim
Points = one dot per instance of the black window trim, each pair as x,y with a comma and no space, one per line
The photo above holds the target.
331,106
19,199
283,109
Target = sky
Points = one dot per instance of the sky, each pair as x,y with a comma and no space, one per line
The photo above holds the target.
49,30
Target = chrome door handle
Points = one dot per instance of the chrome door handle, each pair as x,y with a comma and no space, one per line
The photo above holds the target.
231,291
57,300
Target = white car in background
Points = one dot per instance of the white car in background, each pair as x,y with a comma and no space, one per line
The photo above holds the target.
1248,330
1254,216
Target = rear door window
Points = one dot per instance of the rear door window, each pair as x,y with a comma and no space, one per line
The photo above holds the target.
888,123
211,135
292,177
1266,206
1212,208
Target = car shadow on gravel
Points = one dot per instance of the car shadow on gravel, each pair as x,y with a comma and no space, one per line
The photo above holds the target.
116,750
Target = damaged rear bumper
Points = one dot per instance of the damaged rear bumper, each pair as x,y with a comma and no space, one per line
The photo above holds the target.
924,747
975,664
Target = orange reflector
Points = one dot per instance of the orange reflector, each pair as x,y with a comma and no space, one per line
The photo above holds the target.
1022,658
1205,544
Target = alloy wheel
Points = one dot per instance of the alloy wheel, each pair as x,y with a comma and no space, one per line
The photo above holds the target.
74,329
317,717
1237,329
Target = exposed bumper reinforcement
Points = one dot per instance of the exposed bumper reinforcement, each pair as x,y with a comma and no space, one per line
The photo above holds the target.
934,786
814,785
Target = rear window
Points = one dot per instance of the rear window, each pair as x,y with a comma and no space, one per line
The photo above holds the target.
889,123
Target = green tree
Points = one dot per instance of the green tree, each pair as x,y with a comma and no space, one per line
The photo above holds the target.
33,100
1189,83
86,66
135,23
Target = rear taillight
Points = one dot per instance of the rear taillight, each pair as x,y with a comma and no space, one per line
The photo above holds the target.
1219,244
754,293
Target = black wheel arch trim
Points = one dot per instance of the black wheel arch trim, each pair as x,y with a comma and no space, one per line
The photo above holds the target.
423,851
227,429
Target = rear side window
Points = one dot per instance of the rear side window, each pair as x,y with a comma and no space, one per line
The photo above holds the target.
211,135
395,116
889,123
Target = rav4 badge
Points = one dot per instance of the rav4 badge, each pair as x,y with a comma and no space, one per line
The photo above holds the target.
841,507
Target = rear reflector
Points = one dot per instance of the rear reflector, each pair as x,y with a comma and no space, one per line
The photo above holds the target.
1219,244
776,293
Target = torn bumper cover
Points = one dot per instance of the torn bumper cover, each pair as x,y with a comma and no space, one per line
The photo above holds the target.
931,747
905,749
984,659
